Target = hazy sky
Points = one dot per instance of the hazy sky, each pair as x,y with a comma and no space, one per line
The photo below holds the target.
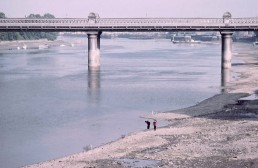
131,8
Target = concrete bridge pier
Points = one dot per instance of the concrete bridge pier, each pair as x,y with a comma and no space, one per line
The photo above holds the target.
226,49
94,50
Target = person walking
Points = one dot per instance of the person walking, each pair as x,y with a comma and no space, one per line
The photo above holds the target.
148,124
155,125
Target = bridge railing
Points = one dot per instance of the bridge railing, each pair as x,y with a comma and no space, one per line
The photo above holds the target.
44,21
244,21
113,21
101,22
159,21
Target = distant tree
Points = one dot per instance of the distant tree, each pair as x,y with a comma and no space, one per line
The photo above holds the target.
29,35
42,35
3,35
34,16
2,15
48,16
23,35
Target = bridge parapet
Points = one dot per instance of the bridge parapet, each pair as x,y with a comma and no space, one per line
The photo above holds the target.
159,21
237,21
129,24
44,21
131,21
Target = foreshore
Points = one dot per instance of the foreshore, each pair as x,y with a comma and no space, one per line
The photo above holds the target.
221,131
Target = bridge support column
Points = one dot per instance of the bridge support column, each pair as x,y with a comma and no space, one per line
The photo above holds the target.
226,50
94,50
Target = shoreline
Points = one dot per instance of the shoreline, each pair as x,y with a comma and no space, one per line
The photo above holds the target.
185,139
218,132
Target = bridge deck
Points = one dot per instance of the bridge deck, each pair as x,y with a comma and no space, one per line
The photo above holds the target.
129,24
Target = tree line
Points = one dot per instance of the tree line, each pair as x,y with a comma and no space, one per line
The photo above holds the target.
10,36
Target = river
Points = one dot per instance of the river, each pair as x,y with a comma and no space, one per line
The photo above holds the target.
51,106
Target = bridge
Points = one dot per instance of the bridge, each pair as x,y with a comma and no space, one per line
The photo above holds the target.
94,26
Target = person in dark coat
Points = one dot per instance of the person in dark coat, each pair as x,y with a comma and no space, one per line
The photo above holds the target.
148,124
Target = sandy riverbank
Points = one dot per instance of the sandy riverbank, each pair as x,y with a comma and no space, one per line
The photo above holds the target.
218,132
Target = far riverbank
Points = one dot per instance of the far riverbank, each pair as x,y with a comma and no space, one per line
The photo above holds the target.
32,44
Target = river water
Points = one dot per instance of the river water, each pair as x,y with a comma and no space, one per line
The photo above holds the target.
51,106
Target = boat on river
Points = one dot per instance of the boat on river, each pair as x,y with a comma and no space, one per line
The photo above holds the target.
184,39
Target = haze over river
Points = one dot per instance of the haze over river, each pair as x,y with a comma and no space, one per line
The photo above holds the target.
51,106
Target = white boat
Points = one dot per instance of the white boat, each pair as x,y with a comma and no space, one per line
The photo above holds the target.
18,48
187,42
255,43
184,39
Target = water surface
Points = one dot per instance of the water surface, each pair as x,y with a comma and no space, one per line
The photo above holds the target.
51,106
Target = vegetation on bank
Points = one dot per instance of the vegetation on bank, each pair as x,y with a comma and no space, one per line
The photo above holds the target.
10,36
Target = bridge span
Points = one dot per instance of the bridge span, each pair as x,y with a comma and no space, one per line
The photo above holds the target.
94,26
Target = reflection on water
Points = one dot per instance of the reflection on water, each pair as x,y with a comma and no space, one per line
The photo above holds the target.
225,79
94,78
94,85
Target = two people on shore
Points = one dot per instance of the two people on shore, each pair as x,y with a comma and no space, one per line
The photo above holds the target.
154,124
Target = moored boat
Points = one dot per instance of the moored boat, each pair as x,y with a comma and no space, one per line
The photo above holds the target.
184,39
